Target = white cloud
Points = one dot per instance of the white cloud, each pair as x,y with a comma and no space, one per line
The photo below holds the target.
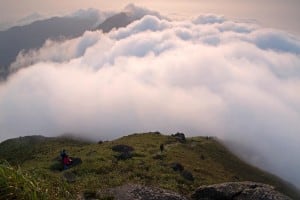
208,76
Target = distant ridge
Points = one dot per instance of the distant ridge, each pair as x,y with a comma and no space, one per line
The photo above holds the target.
116,21
34,35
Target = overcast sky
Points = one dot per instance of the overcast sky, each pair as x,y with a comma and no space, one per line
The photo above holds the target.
281,14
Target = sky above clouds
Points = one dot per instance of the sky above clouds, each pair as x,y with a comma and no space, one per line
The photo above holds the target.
206,75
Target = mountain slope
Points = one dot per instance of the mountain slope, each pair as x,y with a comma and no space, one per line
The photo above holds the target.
34,35
205,158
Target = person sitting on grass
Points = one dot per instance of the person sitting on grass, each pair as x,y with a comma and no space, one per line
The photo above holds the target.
66,160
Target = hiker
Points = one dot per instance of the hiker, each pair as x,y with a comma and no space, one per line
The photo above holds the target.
66,160
63,154
162,147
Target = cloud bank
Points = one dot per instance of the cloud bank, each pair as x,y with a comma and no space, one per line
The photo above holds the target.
205,76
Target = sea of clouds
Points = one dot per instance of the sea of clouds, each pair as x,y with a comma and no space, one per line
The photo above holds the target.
203,76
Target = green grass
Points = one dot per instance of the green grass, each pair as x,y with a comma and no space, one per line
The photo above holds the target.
16,184
206,159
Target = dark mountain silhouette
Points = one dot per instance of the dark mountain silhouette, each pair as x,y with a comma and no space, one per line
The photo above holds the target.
117,21
33,35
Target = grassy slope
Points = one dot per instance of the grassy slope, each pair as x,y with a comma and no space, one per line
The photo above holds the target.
207,159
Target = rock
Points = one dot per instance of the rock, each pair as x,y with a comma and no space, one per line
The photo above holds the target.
122,148
124,156
187,175
75,162
180,137
139,192
100,142
89,195
238,191
177,167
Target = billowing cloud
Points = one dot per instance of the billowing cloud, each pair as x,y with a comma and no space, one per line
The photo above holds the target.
205,76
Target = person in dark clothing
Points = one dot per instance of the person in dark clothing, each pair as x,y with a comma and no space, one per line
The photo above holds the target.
162,147
63,154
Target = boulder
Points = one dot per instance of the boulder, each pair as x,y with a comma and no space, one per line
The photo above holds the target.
124,156
100,142
187,175
238,191
139,192
122,148
177,167
180,137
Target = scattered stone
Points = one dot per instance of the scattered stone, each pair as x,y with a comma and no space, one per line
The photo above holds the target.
238,191
124,156
69,177
180,137
177,167
187,175
122,148
139,192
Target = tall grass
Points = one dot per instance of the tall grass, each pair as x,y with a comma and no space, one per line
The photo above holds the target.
16,184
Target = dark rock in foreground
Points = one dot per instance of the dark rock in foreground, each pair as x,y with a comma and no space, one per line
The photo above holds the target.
139,192
187,175
238,191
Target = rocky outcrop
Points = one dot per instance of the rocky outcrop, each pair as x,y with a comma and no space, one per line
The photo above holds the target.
177,167
122,148
187,175
238,191
139,192
224,191
180,137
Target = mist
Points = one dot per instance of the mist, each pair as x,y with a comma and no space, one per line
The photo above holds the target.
202,76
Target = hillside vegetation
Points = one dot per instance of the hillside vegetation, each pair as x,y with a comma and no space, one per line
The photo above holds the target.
30,166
